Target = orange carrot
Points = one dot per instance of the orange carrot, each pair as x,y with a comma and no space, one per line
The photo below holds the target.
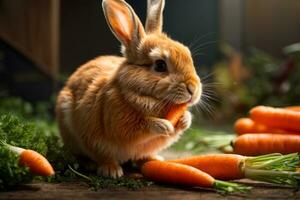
232,166
247,125
36,163
175,173
175,113
294,108
219,166
298,169
276,117
259,144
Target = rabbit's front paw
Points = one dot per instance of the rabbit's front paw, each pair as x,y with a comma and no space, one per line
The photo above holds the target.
184,122
161,126
111,170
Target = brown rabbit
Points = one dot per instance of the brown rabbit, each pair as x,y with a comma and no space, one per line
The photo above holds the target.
112,108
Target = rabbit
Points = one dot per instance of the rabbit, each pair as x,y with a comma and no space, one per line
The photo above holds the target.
111,110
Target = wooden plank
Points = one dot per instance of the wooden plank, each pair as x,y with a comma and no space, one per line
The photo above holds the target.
55,33
31,26
80,190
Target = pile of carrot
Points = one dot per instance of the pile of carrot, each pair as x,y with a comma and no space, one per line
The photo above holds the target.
268,130
215,170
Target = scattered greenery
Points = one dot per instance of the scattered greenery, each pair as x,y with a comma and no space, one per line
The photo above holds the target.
197,140
100,183
130,183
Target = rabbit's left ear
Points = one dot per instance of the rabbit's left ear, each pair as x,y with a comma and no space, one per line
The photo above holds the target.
154,20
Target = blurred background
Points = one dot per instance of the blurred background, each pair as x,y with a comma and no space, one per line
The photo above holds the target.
246,51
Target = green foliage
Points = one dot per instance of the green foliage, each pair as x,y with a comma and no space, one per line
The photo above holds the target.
259,86
16,106
273,82
197,140
30,127
100,183
21,134
260,79
11,174
18,132
97,182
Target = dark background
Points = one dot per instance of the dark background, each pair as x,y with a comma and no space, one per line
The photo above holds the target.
42,42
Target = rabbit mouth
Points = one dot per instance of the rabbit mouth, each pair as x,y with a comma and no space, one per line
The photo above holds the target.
182,99
185,98
184,92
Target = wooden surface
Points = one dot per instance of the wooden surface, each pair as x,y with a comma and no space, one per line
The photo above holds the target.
31,27
80,190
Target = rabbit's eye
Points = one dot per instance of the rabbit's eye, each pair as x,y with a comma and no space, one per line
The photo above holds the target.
160,66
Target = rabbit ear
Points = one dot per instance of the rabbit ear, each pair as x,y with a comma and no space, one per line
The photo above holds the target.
124,23
154,20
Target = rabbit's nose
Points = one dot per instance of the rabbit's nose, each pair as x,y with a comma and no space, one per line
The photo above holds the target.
191,88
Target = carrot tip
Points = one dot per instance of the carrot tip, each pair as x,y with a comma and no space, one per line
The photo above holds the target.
51,173
36,163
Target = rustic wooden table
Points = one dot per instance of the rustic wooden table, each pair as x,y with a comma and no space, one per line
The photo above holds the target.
80,190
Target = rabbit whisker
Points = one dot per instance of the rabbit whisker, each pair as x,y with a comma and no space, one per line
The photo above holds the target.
200,46
198,38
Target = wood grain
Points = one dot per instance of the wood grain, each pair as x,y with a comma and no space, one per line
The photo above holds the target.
32,27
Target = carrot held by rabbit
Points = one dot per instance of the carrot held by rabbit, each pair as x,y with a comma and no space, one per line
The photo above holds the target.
111,105
175,113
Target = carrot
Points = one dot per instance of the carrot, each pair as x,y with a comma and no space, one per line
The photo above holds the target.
219,166
175,173
175,113
276,117
259,144
294,108
232,166
36,163
247,125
